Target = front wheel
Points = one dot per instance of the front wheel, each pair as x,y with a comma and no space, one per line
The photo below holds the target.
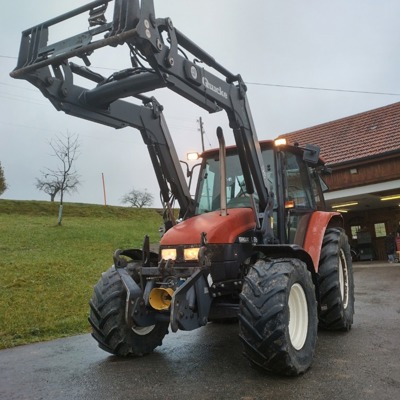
278,316
336,284
107,317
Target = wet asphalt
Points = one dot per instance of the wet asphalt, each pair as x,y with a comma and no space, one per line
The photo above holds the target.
208,364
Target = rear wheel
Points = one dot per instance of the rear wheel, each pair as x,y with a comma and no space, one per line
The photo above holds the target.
278,316
107,317
336,284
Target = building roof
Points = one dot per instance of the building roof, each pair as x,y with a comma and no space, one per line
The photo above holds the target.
371,134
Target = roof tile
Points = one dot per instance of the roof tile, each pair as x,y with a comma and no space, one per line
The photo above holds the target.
368,134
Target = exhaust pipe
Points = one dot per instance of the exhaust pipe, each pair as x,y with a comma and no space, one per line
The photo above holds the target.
160,298
222,163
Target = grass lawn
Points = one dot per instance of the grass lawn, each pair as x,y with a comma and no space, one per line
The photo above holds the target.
47,272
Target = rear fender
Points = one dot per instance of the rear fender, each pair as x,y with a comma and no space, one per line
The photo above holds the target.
319,222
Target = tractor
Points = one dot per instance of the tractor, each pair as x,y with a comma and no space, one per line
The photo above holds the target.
255,244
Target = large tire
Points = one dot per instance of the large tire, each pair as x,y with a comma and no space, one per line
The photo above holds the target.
336,283
278,316
107,317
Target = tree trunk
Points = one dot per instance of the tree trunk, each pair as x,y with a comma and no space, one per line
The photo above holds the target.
60,210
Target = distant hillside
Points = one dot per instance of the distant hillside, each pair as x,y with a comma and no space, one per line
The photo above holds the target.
46,208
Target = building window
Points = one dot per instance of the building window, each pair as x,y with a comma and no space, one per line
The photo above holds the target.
354,230
380,229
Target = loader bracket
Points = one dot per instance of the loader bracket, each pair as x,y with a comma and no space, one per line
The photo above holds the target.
191,303
133,293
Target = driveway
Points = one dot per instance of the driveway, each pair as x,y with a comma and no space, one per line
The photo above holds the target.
207,363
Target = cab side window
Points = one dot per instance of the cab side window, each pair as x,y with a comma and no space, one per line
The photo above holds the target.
298,198
298,191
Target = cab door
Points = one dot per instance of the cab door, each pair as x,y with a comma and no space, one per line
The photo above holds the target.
297,195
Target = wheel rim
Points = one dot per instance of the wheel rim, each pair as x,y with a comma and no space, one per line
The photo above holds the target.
143,330
298,316
343,278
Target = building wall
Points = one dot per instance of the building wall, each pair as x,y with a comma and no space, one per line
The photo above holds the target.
361,174
390,217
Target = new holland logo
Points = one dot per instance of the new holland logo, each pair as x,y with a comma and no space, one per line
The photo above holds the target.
215,89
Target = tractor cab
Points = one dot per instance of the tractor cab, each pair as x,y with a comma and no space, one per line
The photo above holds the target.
294,184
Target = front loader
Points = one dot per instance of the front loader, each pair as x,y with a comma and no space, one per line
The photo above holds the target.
255,244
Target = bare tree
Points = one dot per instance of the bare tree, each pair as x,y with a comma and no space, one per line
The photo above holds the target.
3,183
138,199
64,179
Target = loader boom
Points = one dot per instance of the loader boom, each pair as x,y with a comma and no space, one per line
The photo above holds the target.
160,44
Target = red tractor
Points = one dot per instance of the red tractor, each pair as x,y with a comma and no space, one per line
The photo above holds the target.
254,244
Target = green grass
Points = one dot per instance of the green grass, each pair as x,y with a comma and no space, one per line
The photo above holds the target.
47,272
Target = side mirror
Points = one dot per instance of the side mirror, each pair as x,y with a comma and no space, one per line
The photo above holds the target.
326,171
311,154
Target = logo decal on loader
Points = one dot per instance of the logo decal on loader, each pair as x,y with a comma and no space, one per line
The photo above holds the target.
215,89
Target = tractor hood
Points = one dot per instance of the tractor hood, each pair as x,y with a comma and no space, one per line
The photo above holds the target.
219,229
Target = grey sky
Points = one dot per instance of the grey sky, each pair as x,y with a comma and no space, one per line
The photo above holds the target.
342,44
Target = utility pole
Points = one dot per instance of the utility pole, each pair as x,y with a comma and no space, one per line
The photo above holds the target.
201,129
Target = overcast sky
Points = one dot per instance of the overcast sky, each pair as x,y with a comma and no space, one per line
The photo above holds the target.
280,47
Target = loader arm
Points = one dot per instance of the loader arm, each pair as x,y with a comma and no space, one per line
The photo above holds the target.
160,45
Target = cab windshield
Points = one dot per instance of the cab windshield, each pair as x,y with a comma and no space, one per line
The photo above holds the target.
209,189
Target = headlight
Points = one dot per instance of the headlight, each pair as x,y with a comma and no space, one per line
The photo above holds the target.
191,254
168,254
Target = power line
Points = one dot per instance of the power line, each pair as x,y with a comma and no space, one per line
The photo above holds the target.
23,99
323,89
287,86
19,87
